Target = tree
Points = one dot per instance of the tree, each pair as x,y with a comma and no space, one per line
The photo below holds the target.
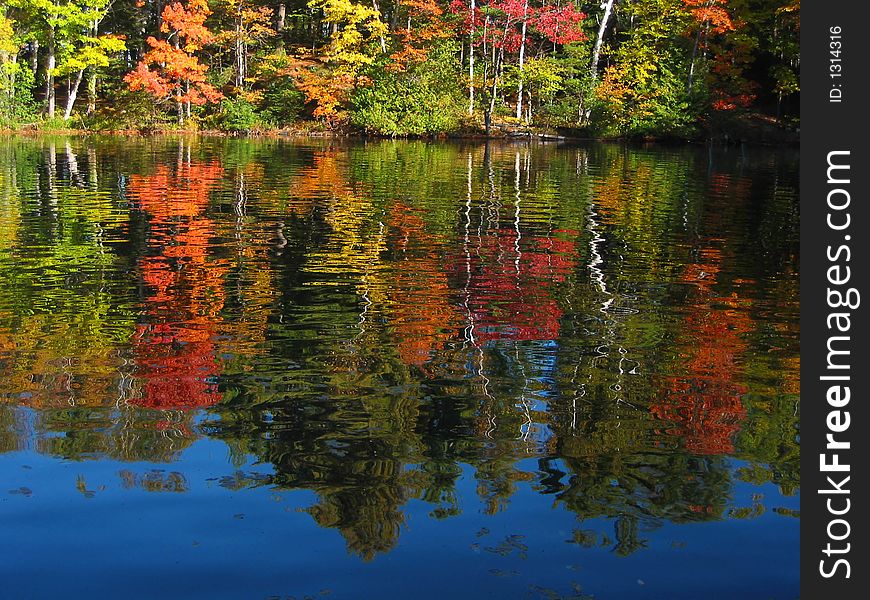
83,48
250,28
503,27
170,70
353,45
10,44
607,5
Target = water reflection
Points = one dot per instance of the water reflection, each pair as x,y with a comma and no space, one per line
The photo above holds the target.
609,326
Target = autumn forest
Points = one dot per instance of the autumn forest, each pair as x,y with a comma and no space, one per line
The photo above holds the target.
615,68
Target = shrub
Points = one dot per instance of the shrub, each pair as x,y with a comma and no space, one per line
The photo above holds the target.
237,115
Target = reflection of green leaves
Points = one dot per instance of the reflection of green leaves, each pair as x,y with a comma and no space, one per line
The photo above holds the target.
313,379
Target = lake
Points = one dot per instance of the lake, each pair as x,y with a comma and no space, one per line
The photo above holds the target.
235,368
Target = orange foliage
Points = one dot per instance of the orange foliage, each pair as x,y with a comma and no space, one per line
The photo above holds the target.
424,26
711,13
172,71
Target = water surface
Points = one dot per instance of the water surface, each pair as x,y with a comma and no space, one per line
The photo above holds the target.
254,369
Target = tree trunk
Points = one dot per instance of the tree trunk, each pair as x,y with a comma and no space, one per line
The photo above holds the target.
34,57
497,60
179,106
471,62
384,41
49,74
282,15
240,58
607,5
695,55
71,97
522,61
92,92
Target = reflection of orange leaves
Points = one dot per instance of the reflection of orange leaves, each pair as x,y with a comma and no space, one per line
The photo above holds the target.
422,314
180,192
174,352
325,175
705,405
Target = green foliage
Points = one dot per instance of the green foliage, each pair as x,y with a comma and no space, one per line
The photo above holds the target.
397,106
16,98
644,91
422,101
282,103
237,115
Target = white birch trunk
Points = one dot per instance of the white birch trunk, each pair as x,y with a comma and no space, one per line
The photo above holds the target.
607,5
522,60
71,97
471,61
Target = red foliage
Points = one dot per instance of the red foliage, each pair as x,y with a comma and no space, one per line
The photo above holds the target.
560,24
557,24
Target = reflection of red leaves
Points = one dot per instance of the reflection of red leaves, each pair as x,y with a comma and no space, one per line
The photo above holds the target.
174,352
510,292
705,405
178,372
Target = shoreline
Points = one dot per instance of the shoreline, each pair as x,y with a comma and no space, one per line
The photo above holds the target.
781,137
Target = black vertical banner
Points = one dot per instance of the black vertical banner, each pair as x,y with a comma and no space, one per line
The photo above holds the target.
835,263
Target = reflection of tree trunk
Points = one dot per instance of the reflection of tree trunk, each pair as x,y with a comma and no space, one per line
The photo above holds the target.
92,168
71,97
72,164
52,176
